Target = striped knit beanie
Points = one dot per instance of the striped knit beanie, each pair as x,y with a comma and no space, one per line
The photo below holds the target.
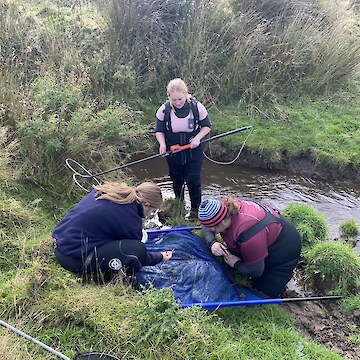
212,212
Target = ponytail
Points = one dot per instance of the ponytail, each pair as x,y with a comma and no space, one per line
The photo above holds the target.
232,205
122,193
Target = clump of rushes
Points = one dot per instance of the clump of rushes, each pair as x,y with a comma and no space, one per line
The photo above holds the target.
311,225
332,267
349,230
172,212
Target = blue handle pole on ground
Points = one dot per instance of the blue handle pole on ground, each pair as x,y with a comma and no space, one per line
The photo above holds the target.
180,228
218,305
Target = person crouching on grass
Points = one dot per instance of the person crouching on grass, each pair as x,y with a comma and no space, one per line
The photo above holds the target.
260,243
102,233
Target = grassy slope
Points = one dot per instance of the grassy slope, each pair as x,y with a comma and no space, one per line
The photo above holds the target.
55,307
326,131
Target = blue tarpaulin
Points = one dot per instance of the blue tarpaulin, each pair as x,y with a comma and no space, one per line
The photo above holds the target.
193,274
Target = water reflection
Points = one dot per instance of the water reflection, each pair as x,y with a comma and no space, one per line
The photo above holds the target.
337,201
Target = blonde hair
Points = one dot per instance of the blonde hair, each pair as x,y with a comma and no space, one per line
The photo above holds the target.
122,193
178,85
232,204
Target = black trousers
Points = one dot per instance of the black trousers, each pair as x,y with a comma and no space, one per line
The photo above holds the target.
283,257
106,260
185,168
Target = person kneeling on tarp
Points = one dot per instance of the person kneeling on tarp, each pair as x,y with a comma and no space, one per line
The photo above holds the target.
102,233
260,243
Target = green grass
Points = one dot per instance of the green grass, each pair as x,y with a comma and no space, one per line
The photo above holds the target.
321,130
72,46
58,309
351,303
333,267
349,228
152,326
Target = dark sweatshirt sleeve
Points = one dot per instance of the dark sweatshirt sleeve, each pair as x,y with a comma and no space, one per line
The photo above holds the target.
205,122
254,270
160,126
208,235
153,258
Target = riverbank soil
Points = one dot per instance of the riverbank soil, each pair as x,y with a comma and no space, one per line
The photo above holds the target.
325,323
304,164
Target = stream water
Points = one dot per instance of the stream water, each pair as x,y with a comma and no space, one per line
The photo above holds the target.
337,201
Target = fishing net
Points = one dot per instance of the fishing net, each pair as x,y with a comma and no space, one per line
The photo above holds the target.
193,274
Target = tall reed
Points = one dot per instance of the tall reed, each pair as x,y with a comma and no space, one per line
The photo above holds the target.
289,52
234,51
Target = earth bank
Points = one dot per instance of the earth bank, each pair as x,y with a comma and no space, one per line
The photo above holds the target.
325,323
306,164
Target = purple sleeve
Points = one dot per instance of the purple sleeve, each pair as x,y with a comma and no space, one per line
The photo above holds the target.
153,258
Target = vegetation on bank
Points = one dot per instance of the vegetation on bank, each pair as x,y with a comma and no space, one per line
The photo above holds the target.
57,308
325,132
82,80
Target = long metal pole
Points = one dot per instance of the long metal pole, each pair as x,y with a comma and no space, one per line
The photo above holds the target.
26,336
217,305
226,134
127,165
76,173
87,355
173,149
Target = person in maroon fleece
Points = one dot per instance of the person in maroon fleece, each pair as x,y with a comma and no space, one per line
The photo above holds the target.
259,242
102,233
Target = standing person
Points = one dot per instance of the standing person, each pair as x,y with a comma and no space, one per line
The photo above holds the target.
183,120
260,243
102,233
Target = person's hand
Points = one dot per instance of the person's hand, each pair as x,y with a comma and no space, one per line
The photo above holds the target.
162,149
231,259
218,249
194,143
167,255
